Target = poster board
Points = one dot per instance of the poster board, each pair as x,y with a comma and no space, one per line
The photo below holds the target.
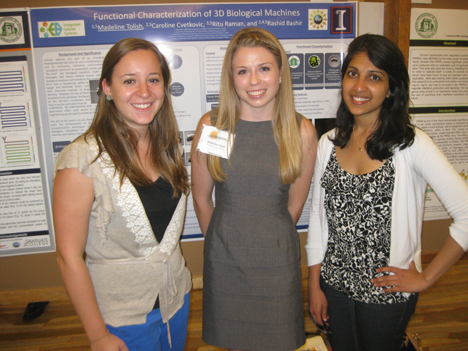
24,203
438,67
69,44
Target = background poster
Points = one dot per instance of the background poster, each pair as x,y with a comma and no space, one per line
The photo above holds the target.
438,66
70,44
67,46
24,204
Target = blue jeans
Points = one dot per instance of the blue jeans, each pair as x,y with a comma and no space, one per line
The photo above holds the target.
360,326
152,335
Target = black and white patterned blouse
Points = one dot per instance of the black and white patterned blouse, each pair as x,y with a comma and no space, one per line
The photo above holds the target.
359,222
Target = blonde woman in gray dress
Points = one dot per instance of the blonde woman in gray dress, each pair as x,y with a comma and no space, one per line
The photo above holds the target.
252,296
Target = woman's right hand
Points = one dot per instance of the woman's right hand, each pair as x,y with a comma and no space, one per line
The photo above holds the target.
318,306
317,301
109,342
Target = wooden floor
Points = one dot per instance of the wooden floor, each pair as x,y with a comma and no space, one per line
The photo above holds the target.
441,320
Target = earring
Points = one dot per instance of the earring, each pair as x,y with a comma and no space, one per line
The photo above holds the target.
108,97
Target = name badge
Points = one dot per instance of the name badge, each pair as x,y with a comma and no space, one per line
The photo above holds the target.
215,142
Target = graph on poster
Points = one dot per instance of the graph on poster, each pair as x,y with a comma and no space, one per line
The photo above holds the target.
18,150
12,80
15,115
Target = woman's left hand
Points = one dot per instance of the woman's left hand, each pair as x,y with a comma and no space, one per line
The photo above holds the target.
406,280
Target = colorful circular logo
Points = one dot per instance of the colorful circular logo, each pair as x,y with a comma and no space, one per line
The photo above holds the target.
318,19
294,61
314,61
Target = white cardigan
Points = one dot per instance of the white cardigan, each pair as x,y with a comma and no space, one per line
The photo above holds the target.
128,267
416,166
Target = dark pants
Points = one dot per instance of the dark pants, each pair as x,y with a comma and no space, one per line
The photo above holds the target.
360,326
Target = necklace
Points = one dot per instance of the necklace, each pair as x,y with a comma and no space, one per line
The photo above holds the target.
360,148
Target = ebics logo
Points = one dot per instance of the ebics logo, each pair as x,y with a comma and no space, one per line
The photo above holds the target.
58,29
426,25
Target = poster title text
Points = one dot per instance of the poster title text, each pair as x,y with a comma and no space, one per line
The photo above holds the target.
196,14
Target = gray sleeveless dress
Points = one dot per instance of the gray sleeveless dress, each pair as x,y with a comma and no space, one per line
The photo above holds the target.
252,293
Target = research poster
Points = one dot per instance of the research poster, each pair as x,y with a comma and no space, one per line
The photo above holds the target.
24,205
438,66
69,44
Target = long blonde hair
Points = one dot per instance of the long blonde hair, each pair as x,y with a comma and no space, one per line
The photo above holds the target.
120,142
287,127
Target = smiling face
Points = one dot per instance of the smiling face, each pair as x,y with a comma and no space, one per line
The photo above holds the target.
256,76
137,88
365,87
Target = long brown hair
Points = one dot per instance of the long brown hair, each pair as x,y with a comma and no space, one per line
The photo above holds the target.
113,135
287,127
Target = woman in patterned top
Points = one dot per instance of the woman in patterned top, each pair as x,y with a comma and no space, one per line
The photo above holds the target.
371,173
119,196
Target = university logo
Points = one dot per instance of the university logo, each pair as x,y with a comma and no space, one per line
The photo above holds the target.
426,25
11,29
341,20
318,19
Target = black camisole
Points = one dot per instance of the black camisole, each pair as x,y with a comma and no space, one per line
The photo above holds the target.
159,206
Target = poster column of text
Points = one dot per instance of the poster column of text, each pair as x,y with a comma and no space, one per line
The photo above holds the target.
438,66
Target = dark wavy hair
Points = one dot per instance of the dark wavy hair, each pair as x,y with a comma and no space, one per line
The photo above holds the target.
394,128
113,135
